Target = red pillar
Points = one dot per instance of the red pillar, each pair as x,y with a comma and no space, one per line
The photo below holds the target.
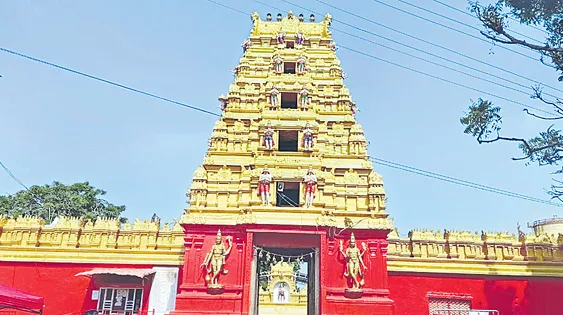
375,296
193,296
249,257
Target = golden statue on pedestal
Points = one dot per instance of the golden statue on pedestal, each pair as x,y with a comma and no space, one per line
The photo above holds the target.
215,261
354,265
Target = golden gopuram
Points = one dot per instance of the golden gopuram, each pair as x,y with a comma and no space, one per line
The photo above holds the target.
287,115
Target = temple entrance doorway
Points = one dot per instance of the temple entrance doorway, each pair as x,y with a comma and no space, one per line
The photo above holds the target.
286,279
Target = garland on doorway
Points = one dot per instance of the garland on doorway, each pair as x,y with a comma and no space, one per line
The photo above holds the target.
274,258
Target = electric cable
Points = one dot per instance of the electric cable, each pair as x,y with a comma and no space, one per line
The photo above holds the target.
509,17
461,182
17,180
446,67
445,80
454,20
107,81
423,41
452,28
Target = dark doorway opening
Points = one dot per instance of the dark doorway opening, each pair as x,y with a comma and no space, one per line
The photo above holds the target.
287,194
290,45
288,140
288,100
289,67
274,292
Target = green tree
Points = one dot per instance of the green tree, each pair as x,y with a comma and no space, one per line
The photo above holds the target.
483,119
50,201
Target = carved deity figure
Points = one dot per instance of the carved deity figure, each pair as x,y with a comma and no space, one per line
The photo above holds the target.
245,45
278,64
307,142
274,98
214,261
301,65
224,102
299,38
332,46
280,37
264,182
353,107
268,137
235,72
310,181
304,100
354,263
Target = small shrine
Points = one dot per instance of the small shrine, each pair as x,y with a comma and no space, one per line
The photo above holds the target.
281,295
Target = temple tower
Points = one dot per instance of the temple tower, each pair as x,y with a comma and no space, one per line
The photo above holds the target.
286,172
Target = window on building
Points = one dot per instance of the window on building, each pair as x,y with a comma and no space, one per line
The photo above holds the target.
288,100
120,301
288,140
289,67
287,194
289,44
449,306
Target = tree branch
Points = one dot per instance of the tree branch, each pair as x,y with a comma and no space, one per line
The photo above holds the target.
541,117
524,142
538,95
530,151
515,41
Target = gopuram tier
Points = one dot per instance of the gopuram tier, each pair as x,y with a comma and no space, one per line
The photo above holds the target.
286,173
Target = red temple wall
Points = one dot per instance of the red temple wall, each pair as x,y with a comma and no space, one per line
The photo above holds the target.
63,292
508,295
67,294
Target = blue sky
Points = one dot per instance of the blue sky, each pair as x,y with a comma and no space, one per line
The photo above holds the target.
55,125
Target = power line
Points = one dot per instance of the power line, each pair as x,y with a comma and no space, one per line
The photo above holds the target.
17,180
443,66
509,17
456,21
444,80
451,178
461,182
108,82
436,56
225,6
424,41
452,28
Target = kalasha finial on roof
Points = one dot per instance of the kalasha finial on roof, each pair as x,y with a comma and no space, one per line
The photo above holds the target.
312,18
301,17
279,17
269,17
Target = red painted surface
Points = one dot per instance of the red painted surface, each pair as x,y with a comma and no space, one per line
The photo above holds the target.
508,295
64,293
193,297
375,299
